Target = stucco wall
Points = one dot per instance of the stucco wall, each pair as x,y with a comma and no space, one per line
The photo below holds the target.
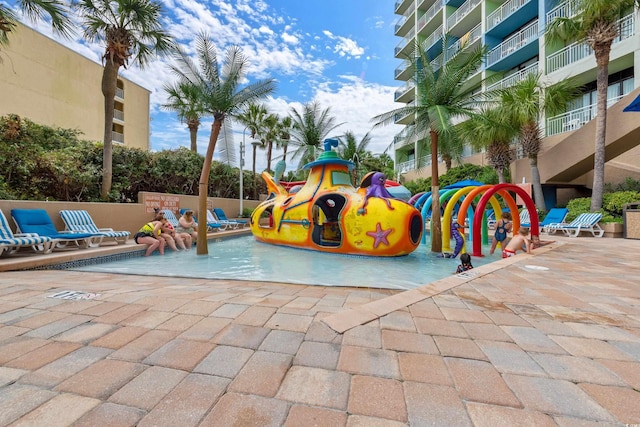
50,84
119,216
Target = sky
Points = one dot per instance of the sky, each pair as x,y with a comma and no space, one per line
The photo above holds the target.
336,52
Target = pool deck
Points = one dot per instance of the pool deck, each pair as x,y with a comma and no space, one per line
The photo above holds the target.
546,339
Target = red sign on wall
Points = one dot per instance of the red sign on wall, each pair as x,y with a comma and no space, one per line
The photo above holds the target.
161,201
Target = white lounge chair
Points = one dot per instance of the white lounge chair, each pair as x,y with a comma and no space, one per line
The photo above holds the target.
583,222
81,222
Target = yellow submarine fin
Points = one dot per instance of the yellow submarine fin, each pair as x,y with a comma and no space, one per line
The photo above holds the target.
272,185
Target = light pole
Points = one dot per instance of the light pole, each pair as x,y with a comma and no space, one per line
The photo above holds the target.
241,166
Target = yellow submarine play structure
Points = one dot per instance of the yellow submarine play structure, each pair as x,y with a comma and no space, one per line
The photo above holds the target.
328,214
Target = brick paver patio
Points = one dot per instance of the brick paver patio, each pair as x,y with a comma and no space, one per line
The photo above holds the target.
548,339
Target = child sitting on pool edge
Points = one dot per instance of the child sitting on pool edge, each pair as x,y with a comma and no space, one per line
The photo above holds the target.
465,263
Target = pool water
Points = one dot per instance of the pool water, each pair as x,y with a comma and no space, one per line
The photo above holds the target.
244,258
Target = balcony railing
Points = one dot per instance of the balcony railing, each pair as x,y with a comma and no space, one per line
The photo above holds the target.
461,12
406,88
563,9
510,45
118,115
434,37
429,14
400,23
117,137
403,43
402,68
580,50
468,38
514,78
503,11
575,119
120,93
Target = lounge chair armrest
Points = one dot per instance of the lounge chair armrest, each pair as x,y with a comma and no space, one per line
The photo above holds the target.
106,229
26,235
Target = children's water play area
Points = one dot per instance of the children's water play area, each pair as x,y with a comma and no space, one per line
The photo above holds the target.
244,258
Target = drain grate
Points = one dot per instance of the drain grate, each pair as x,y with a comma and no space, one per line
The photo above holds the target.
74,295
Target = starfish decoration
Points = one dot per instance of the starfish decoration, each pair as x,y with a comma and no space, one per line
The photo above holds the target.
379,236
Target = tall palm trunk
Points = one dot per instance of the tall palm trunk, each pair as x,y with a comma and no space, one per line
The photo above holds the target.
193,126
255,187
269,154
109,82
203,188
602,60
436,225
538,194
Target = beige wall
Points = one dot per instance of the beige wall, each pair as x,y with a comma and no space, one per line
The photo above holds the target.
52,85
119,216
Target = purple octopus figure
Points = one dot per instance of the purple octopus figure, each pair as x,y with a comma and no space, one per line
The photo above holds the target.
376,188
458,237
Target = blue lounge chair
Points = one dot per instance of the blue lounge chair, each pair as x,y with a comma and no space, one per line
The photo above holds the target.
79,221
525,218
38,222
11,243
219,213
211,219
554,216
583,222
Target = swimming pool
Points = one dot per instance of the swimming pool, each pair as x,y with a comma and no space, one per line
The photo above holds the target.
244,258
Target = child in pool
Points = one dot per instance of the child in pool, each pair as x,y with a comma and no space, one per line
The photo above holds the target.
465,263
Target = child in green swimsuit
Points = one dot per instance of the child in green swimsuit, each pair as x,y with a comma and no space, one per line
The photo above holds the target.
503,226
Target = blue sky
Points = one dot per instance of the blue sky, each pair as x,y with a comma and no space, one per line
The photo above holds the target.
339,53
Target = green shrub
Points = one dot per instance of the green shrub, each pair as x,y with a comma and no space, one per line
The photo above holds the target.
612,205
614,202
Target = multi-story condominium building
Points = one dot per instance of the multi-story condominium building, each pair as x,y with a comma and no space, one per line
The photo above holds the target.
513,32
50,84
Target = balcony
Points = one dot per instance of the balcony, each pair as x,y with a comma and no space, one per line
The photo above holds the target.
405,119
429,15
561,10
580,50
513,43
404,71
503,12
466,40
404,138
118,115
434,37
401,6
514,78
461,12
575,119
120,93
405,47
405,23
117,137
405,93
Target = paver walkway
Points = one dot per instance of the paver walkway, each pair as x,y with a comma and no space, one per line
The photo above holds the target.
550,339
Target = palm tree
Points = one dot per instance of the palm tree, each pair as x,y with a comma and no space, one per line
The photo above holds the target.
310,128
350,149
285,135
183,99
525,103
270,132
252,118
442,96
492,131
132,32
595,22
220,96
36,10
